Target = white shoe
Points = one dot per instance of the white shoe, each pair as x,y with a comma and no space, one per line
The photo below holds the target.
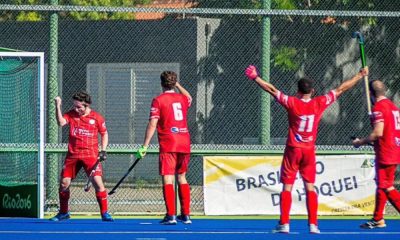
373,224
314,229
281,228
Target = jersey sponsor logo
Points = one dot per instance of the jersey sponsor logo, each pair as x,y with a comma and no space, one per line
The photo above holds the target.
179,130
183,130
82,132
299,138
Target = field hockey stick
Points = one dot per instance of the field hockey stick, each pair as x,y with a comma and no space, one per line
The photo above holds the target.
360,38
123,178
88,184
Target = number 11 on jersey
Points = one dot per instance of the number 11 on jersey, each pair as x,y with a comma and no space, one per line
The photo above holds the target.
306,123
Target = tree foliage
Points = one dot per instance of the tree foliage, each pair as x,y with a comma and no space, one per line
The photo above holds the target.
40,16
103,15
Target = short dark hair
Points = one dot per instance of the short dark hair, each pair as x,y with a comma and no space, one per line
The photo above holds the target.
305,85
82,96
377,88
168,79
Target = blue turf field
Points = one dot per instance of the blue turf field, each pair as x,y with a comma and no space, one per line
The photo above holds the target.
141,229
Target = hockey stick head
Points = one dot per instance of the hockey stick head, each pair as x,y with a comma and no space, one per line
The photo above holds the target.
359,36
87,186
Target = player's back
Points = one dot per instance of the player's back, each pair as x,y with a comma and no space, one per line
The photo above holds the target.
388,146
173,133
304,117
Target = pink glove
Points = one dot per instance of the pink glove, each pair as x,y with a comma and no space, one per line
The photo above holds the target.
251,72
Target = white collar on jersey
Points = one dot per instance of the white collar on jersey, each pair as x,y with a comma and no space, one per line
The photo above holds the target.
305,100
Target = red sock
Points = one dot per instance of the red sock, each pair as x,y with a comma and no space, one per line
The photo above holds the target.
169,198
64,198
312,206
184,197
394,198
285,204
380,202
102,200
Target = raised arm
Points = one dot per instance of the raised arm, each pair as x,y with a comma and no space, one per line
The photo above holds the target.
183,91
59,116
346,85
252,74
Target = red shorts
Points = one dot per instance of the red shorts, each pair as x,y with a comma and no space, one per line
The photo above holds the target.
295,160
385,175
172,163
73,165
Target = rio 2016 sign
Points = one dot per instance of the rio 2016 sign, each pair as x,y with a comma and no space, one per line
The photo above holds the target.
18,201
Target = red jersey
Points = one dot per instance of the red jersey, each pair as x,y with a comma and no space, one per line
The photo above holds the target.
83,130
387,147
304,117
170,108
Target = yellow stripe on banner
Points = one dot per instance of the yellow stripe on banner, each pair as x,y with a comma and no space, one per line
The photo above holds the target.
217,167
346,207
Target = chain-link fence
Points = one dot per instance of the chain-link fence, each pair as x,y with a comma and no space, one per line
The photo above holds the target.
117,53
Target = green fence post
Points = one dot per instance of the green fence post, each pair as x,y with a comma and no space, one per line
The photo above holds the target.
265,73
52,128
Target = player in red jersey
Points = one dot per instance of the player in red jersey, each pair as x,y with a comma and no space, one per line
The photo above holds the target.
168,115
385,136
84,127
304,115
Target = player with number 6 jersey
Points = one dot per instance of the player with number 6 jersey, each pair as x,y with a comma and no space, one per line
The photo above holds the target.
168,114
304,115
170,108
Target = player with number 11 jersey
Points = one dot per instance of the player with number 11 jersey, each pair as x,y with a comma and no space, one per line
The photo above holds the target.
304,117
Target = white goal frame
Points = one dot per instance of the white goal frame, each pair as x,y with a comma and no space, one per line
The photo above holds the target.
41,89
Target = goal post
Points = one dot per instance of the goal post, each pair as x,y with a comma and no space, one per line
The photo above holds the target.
22,134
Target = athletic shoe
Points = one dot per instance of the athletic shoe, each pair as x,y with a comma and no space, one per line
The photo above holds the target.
314,229
169,220
60,217
106,217
281,228
185,219
373,224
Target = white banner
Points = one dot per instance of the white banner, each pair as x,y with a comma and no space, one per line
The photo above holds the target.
238,185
